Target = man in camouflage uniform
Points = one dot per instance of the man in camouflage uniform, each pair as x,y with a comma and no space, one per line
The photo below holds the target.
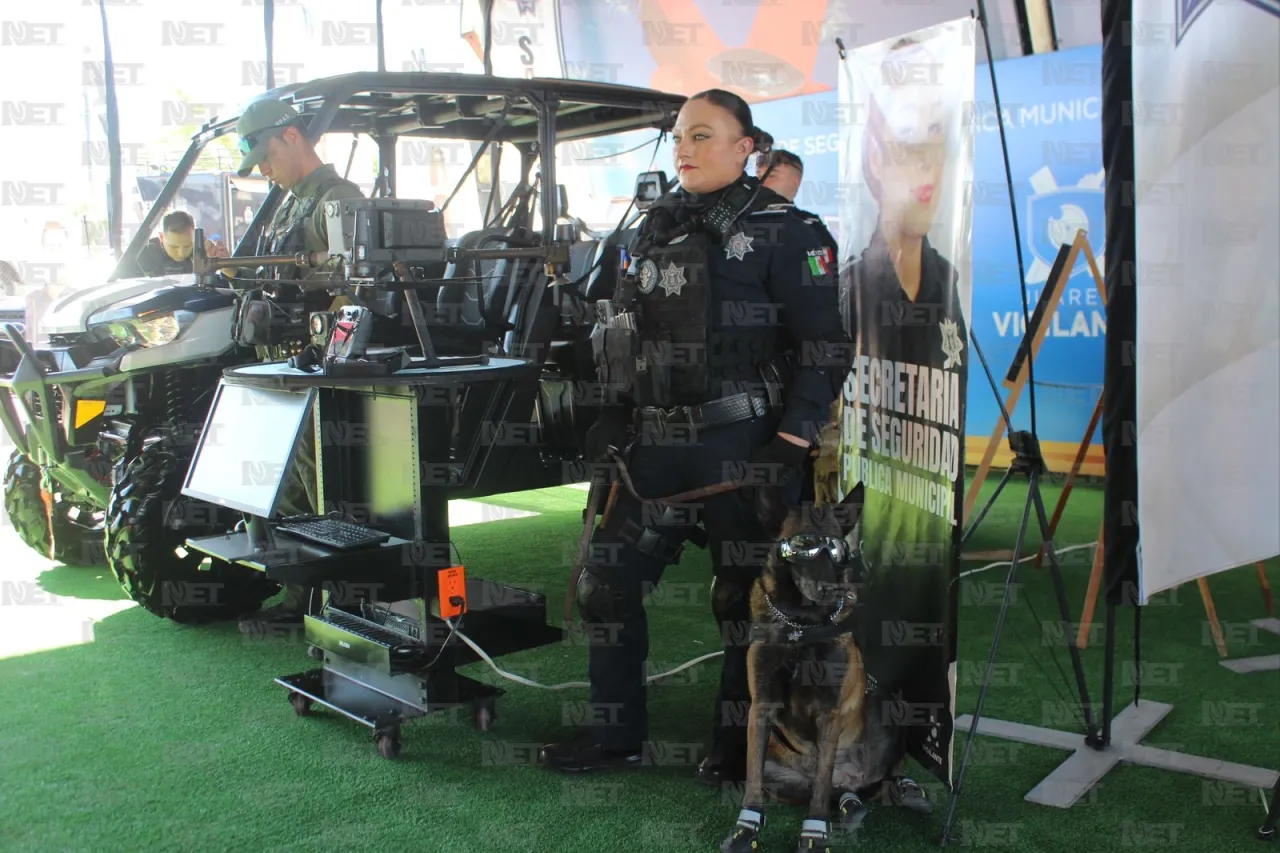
273,138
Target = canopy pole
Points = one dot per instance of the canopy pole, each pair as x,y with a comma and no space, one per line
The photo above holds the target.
382,48
115,200
268,27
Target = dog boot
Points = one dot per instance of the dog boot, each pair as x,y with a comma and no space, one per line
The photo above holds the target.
814,836
745,837
906,792
850,812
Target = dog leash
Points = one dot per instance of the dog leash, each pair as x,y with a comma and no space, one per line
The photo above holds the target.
624,477
588,525
683,497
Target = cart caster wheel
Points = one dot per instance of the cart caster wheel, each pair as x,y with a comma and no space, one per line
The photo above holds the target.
315,653
389,745
301,704
485,715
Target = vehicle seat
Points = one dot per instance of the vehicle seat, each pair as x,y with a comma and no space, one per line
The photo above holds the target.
582,255
572,310
607,265
473,313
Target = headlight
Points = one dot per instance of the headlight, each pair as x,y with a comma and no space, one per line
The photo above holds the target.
152,331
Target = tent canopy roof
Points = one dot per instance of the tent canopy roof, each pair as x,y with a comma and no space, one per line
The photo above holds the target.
465,106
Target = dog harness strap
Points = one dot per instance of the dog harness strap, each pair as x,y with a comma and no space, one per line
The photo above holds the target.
814,829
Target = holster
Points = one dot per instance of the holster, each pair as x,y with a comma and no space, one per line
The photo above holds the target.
777,374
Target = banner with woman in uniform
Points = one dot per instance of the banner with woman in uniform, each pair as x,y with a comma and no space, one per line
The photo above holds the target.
906,166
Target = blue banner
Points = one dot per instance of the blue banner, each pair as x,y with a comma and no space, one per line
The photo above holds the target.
1051,106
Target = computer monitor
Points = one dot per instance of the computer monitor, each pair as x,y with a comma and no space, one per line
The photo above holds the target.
247,448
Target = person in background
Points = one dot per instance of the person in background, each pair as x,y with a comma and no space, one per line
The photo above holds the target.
783,172
170,253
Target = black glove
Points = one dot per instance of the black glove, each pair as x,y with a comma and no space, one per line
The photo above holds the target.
773,474
611,429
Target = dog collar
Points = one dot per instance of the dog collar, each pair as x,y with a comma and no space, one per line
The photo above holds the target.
798,632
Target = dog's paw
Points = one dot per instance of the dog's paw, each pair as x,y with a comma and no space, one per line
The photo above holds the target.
850,813
814,837
745,837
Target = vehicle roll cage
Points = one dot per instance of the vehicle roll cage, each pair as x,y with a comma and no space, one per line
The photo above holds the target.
532,114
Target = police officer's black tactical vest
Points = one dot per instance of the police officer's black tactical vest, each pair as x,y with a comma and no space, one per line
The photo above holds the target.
286,235
656,341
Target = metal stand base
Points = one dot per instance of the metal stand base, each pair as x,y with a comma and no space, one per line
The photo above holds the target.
1263,663
1074,778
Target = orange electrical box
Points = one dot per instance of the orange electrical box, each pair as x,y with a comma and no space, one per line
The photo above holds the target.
452,583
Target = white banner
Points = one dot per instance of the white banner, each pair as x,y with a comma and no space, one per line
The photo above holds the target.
906,165
524,36
1206,115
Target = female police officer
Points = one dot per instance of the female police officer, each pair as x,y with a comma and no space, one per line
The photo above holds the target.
724,351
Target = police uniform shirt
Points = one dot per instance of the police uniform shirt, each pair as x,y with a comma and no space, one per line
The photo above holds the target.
913,431
820,226
800,294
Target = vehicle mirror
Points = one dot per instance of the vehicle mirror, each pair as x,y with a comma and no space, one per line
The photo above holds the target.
650,187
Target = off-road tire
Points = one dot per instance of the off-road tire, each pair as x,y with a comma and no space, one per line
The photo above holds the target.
149,519
73,543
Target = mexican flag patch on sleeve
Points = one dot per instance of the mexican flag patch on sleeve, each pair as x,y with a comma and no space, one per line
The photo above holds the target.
820,261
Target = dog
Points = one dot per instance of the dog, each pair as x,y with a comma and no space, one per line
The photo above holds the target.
810,737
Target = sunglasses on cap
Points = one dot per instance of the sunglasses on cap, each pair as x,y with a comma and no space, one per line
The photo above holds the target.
810,546
249,141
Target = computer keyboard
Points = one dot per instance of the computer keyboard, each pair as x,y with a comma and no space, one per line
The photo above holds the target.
332,533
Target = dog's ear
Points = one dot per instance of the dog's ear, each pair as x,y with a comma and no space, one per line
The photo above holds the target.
849,510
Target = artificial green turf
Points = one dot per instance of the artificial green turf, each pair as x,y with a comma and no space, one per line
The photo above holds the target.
156,736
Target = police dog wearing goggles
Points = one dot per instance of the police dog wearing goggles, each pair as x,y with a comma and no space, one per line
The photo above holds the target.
809,738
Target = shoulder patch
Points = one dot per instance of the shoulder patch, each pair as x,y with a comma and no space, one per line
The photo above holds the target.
821,261
773,208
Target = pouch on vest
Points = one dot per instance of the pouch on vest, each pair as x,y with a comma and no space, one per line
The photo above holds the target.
614,345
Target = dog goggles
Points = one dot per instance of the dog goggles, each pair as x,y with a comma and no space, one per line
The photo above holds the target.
810,546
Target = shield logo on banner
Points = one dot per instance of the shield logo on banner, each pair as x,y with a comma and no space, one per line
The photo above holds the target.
1188,12
1055,214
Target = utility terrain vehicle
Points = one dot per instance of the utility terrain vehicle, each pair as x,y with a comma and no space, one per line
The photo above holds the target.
106,412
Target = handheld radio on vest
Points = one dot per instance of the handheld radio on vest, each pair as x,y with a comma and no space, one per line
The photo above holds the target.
720,218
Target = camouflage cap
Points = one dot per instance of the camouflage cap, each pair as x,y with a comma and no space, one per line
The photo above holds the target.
261,115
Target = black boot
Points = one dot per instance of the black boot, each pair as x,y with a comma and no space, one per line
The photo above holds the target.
726,764
585,754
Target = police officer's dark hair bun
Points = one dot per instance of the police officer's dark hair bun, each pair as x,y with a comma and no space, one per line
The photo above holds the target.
763,140
735,106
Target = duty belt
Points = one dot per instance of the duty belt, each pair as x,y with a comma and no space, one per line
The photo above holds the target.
726,410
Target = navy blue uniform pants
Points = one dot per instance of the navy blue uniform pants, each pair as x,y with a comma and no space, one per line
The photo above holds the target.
627,560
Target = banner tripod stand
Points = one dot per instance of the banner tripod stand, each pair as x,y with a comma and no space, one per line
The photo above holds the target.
1027,460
